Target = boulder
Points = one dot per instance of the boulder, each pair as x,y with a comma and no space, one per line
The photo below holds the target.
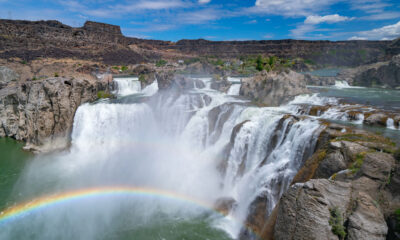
333,163
220,84
274,88
376,119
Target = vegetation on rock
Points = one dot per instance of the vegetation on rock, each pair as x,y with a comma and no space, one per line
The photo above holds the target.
336,222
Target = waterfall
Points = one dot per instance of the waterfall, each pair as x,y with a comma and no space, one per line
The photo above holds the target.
127,86
198,143
234,89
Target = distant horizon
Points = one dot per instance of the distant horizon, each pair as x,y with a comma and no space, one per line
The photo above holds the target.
222,20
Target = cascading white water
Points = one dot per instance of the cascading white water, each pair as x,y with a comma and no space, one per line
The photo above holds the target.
390,123
234,89
127,85
175,142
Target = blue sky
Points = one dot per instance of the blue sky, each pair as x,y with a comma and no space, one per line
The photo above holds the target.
223,19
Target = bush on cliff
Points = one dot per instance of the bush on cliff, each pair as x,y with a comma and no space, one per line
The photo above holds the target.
103,94
336,222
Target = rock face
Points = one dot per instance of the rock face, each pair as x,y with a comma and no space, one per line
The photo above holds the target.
40,111
7,75
355,203
274,88
383,75
312,210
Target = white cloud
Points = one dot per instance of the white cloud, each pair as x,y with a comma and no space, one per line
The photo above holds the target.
251,22
386,32
383,16
357,38
291,8
334,18
204,1
301,30
310,23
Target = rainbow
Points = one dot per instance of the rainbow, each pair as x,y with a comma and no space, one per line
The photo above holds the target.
20,210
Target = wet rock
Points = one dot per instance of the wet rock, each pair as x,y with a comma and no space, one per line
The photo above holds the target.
220,84
225,205
274,88
377,119
146,74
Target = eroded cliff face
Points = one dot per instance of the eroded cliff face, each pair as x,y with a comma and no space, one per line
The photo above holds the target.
29,40
39,112
386,74
51,39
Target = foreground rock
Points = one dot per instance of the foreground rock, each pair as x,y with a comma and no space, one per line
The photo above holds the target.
358,200
40,112
274,88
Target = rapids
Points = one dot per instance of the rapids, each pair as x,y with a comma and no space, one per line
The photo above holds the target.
200,143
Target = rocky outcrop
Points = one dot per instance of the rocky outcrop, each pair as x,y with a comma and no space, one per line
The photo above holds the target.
7,75
220,83
381,75
357,200
274,88
41,111
169,80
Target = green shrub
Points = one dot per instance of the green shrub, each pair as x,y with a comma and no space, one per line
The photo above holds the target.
355,167
115,68
142,78
336,222
103,94
56,75
161,63
23,62
124,68
259,63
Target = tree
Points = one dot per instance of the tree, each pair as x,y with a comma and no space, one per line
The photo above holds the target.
259,63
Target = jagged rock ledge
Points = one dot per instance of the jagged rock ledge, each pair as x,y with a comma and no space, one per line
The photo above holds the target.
41,112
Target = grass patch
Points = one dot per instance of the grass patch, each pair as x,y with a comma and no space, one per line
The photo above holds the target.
364,138
356,165
103,94
142,78
336,222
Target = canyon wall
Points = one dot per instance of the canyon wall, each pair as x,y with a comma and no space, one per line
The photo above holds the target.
29,40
